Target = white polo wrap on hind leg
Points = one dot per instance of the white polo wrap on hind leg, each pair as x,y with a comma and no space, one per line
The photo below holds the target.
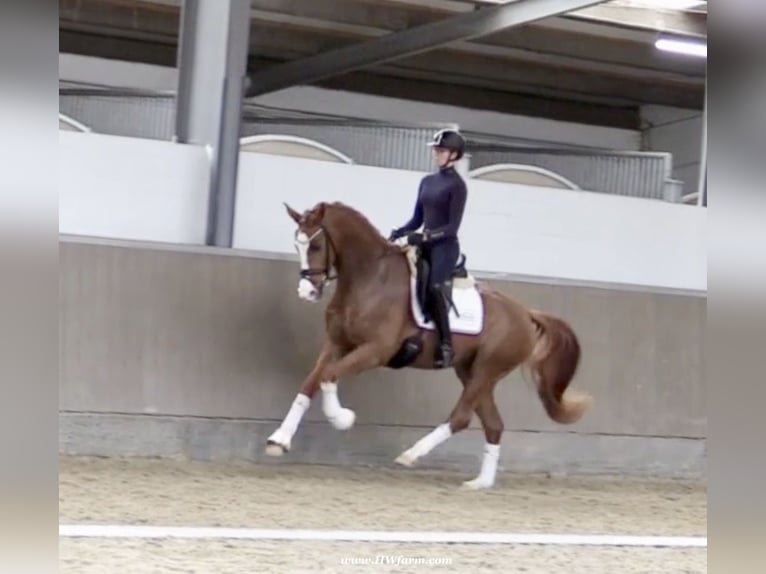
432,439
341,418
486,478
425,444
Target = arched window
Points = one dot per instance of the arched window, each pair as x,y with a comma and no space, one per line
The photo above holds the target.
292,146
71,125
522,174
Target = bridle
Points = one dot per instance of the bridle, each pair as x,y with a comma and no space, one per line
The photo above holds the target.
311,272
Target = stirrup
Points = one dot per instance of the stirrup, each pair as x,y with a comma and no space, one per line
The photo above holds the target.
445,355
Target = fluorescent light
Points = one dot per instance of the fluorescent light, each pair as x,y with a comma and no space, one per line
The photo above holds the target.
670,4
667,4
685,47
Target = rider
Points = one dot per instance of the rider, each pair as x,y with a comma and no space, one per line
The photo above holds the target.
439,208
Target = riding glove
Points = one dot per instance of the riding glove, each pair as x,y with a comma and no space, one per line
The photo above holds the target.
415,239
395,234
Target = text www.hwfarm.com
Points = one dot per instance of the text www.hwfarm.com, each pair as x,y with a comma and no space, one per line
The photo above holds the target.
398,560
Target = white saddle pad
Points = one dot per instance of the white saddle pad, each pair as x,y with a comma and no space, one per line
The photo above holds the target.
469,305
466,297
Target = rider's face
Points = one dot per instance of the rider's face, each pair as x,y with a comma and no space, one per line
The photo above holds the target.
443,156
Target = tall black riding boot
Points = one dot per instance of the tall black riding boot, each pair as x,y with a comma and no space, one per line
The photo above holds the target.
444,353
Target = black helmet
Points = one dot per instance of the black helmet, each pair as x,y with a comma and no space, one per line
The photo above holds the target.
449,139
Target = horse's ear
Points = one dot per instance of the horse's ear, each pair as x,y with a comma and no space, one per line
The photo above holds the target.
320,210
292,213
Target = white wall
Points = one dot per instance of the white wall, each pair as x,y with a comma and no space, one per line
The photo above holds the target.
128,74
131,188
508,228
678,131
146,190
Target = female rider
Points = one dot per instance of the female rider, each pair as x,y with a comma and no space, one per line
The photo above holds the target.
439,209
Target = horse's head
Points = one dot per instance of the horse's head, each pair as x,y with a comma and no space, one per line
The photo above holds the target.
316,251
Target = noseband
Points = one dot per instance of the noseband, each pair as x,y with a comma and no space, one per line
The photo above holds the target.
311,272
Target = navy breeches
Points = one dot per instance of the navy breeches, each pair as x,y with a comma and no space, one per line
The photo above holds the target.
442,256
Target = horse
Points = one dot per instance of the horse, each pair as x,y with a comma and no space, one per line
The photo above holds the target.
371,322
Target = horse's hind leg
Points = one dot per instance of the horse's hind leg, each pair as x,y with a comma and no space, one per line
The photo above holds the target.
458,420
492,422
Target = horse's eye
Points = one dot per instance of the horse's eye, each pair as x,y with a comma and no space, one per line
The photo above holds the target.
313,248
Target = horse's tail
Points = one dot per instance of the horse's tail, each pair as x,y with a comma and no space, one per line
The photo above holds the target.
553,362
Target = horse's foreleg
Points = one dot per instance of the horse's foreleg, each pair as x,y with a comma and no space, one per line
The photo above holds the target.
279,442
339,416
360,359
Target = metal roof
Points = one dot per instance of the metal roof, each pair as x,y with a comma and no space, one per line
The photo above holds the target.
594,65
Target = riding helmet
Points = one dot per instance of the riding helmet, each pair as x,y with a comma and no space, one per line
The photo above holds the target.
449,139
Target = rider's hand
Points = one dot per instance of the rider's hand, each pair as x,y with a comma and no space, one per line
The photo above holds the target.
395,234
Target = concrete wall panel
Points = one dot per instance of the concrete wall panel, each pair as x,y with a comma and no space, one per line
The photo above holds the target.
150,331
182,333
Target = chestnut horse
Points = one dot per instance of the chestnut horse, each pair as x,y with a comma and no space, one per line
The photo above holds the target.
369,324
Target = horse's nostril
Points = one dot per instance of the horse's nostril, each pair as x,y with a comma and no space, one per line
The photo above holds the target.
307,290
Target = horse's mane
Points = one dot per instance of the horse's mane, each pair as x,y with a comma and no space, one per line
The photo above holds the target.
362,221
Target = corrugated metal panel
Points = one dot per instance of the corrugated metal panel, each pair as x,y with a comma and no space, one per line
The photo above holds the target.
375,145
141,116
628,173
147,115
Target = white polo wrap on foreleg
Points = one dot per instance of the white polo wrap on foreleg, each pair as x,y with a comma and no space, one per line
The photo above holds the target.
284,434
341,418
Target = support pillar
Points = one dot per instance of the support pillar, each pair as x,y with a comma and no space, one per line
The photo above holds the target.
212,65
702,183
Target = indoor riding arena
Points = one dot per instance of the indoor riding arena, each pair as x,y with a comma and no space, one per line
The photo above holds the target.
187,126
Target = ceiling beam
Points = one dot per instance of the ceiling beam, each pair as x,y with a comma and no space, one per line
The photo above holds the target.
381,83
434,6
564,59
484,98
409,42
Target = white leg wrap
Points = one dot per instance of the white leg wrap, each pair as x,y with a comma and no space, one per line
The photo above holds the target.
486,478
425,444
341,418
284,434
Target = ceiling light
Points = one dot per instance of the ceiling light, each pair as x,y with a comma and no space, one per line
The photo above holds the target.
667,4
686,47
671,4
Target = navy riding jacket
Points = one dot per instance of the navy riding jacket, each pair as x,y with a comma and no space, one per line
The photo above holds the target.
440,205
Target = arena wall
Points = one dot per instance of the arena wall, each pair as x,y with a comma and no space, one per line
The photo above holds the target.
198,353
168,348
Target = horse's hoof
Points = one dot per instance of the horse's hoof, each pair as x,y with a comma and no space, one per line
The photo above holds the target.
476,484
344,420
405,459
274,449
